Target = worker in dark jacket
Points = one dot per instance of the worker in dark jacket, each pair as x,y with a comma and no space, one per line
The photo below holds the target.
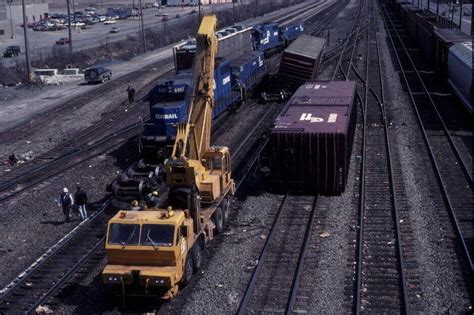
66,201
152,200
131,94
81,201
12,159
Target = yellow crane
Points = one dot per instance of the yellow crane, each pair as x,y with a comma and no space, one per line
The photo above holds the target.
156,251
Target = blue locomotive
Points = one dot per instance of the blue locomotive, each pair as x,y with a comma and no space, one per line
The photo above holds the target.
241,64
234,77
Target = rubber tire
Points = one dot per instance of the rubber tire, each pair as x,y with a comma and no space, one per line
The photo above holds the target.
226,209
197,257
218,219
188,271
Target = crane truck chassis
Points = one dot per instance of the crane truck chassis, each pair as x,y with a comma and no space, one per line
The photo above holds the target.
156,251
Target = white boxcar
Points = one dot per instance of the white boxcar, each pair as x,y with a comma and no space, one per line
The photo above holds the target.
460,72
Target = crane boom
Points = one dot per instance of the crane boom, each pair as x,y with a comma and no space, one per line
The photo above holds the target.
198,128
194,163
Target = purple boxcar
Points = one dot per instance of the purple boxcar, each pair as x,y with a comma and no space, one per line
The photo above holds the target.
443,39
311,143
300,61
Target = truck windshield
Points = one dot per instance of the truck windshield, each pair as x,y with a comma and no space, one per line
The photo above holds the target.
157,235
124,234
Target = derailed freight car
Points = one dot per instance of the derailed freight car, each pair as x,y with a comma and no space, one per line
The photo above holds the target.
310,144
300,61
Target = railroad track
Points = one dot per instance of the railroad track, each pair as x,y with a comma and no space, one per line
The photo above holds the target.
21,132
37,173
273,287
25,130
84,245
113,129
453,175
57,266
381,284
13,297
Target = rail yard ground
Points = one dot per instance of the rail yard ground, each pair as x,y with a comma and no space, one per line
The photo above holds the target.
35,122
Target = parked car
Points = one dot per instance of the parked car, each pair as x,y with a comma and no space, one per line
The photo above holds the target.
97,74
11,51
107,22
162,14
193,12
62,41
114,30
90,9
156,5
102,18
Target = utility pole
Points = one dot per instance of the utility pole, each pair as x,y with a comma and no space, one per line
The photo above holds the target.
69,27
142,29
437,9
460,15
451,8
27,48
199,10
12,29
233,11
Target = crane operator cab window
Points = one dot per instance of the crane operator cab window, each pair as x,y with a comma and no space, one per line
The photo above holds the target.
218,163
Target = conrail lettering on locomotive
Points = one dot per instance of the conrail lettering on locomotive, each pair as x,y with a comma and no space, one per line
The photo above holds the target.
166,116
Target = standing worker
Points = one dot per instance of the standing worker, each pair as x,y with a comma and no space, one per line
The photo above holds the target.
131,94
66,201
81,200
135,206
152,200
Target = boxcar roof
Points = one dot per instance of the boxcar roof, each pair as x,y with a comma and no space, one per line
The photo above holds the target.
464,52
308,46
318,107
451,35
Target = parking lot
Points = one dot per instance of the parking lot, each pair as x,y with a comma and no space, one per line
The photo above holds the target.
106,31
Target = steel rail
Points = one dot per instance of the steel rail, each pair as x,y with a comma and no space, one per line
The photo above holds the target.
65,277
38,181
442,185
339,62
435,108
299,269
59,284
395,212
252,132
75,151
5,136
360,241
400,252
52,251
261,260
